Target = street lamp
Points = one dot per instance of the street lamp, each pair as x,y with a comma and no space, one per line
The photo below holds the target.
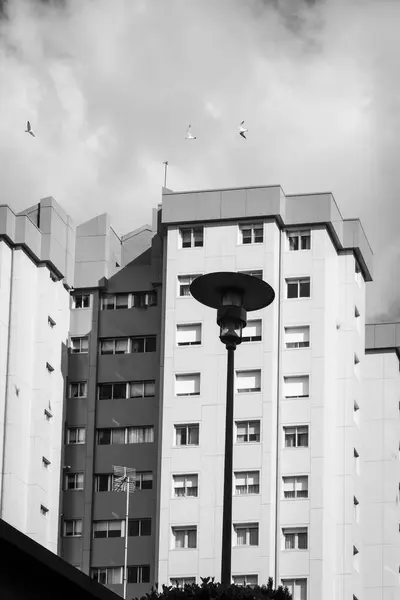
232,294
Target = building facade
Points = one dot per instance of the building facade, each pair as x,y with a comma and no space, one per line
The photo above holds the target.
298,376
113,363
112,404
36,272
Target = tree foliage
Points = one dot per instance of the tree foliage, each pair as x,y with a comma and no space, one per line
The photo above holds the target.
209,590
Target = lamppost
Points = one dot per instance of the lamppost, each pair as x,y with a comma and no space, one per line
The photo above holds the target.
232,294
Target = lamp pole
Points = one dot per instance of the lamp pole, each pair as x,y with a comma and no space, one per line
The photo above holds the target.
232,294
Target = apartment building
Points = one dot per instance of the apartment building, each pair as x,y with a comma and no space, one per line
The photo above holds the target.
112,403
298,376
36,272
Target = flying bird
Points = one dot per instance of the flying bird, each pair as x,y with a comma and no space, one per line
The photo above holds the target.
29,129
242,130
189,135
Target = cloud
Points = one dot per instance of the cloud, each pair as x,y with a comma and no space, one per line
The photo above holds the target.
110,88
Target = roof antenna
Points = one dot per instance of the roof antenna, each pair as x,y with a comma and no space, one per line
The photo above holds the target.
165,163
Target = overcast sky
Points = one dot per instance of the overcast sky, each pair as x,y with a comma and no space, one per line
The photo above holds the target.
110,87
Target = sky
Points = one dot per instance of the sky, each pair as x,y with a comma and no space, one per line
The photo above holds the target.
111,86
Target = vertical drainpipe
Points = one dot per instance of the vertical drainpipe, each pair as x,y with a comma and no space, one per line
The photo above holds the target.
3,461
278,394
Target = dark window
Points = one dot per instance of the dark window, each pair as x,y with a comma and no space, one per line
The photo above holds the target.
139,574
150,344
119,391
103,483
104,437
144,480
139,527
105,391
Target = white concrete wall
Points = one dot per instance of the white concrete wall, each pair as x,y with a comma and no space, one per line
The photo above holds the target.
31,389
333,432
380,513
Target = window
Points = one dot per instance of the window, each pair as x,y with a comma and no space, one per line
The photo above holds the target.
139,527
182,581
81,301
298,287
187,435
296,437
103,483
185,537
251,233
80,345
187,384
144,480
248,381
191,237
355,509
185,486
78,389
244,580
297,337
76,435
184,282
107,575
51,323
44,510
299,240
73,481
49,367
252,332
73,527
114,346
247,482
142,389
45,462
296,387
144,299
125,435
258,273
295,538
114,301
246,534
247,431
297,587
295,487
108,529
143,344
188,335
139,574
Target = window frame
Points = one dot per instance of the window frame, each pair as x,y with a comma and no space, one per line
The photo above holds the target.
140,521
107,530
295,531
299,279
296,446
139,574
106,572
256,390
257,273
245,576
191,229
247,485
184,580
185,529
299,234
197,375
185,486
299,347
127,431
77,383
75,474
248,526
295,497
80,338
248,422
191,276
188,344
285,580
300,376
252,226
77,430
82,295
249,339
186,426
72,521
